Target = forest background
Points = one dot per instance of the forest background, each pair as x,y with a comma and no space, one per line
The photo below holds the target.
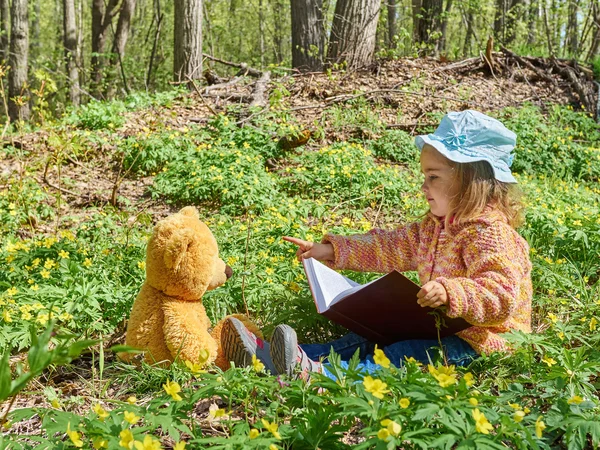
69,52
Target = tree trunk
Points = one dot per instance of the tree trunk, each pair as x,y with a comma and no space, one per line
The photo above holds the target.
416,13
429,23
572,28
278,32
187,61
441,43
596,33
118,47
468,20
101,21
499,20
34,42
392,10
4,29
353,32
532,17
70,43
512,17
261,33
308,35
18,97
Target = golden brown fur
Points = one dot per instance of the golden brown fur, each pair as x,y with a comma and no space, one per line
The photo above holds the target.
168,319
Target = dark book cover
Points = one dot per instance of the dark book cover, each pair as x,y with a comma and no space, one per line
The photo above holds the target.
386,311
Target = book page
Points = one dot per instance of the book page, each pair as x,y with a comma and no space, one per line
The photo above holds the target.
326,283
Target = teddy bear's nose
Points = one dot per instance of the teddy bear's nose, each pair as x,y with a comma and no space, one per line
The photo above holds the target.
228,272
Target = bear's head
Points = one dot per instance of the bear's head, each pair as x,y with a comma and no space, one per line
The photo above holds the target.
182,259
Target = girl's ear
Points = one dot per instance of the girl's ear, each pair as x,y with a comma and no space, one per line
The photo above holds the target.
177,247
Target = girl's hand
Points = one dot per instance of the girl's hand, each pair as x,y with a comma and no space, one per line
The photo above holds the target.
306,249
432,294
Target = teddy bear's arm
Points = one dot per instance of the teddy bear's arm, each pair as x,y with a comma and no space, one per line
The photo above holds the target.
186,330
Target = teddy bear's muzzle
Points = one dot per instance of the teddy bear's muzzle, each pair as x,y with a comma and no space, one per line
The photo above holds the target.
228,272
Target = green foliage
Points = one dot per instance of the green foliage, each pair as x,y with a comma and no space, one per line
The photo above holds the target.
561,144
99,115
543,395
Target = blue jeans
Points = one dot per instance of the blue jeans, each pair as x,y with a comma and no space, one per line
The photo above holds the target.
456,350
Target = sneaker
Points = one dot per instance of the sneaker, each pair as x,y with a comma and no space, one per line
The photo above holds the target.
287,355
239,344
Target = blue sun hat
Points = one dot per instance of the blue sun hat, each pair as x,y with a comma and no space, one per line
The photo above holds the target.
470,136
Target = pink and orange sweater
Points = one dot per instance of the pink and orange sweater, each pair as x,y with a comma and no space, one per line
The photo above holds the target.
483,264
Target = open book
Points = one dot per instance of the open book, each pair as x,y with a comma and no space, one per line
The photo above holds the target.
384,311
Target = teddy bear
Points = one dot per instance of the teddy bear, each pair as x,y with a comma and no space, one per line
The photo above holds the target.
168,319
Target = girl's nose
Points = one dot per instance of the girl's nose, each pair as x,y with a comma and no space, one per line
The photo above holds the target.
424,188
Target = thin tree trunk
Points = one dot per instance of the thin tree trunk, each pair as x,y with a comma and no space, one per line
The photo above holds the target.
353,32
308,35
188,40
532,21
512,16
261,33
70,44
593,51
573,28
118,48
18,96
392,11
468,19
547,27
101,21
34,42
429,23
4,29
416,21
278,32
499,20
441,43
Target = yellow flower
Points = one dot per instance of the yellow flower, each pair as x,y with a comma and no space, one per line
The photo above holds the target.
49,264
141,265
87,262
380,358
383,434
376,387
575,400
195,368
35,287
6,316
100,442
548,360
180,445
469,379
63,254
553,317
131,400
540,426
412,360
518,416
593,323
173,390
149,443
130,417
446,376
215,412
12,291
514,405
126,439
256,364
253,433
102,413
74,436
404,403
482,425
273,447
394,428
271,427
45,273
473,401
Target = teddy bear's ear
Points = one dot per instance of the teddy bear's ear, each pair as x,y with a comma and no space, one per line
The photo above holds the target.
176,248
190,211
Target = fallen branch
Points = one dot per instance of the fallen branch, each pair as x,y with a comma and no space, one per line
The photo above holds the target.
244,68
258,94
540,73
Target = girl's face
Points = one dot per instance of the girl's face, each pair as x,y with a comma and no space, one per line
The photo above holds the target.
440,185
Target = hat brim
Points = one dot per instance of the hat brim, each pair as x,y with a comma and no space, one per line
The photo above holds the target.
500,175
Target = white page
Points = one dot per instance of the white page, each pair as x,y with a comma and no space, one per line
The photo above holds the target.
327,284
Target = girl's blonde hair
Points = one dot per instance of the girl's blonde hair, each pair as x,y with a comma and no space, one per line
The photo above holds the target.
478,188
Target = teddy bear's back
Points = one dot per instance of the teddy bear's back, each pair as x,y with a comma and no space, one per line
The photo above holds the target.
145,327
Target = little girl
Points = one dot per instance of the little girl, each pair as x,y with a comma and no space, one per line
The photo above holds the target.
467,253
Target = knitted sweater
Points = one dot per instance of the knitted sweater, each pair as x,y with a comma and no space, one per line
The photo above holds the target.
483,264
